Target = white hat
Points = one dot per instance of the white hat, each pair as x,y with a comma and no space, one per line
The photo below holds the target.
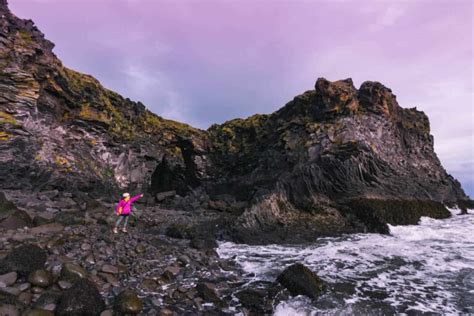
126,195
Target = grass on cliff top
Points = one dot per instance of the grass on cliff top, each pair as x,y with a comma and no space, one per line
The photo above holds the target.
103,105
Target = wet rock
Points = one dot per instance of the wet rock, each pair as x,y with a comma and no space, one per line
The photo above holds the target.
170,273
207,291
107,312
8,279
85,246
64,285
107,268
127,302
72,272
203,242
299,280
184,260
25,298
41,278
23,286
254,301
25,259
10,291
9,310
149,285
140,248
82,298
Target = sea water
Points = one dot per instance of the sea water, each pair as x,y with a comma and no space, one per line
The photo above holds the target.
425,268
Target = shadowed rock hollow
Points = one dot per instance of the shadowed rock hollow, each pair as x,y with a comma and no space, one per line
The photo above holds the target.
335,159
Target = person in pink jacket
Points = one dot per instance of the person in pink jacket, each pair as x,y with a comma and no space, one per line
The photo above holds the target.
123,210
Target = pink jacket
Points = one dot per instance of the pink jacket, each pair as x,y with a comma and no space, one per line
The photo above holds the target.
126,206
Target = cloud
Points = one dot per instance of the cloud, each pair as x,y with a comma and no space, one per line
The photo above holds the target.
156,90
386,17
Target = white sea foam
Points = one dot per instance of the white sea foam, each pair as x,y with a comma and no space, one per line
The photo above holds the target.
427,268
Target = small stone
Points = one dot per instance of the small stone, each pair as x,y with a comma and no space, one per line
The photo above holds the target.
90,259
10,291
41,278
107,268
170,273
85,246
25,298
64,285
8,310
184,260
23,286
72,271
207,291
149,284
37,290
166,312
107,312
128,302
109,278
140,248
8,279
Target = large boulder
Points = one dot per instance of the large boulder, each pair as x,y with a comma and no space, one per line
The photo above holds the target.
82,299
127,302
299,280
18,219
24,260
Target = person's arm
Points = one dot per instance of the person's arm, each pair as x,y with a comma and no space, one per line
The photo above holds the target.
120,207
133,199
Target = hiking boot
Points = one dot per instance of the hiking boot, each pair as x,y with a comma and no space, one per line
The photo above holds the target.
124,230
115,230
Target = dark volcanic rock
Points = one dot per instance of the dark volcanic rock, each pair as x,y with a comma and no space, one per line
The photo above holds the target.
207,291
300,280
41,278
81,299
24,260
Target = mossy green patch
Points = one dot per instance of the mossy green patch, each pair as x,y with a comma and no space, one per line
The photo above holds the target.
4,136
6,118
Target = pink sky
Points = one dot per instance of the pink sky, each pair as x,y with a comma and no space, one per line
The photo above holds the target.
205,62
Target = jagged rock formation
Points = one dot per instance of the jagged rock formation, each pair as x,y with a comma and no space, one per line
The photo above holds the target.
330,161
62,129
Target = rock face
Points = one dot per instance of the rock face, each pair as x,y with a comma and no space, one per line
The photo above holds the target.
330,161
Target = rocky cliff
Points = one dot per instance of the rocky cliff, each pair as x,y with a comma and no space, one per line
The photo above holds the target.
335,159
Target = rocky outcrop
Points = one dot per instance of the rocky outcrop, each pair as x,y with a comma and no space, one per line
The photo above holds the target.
293,175
62,129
